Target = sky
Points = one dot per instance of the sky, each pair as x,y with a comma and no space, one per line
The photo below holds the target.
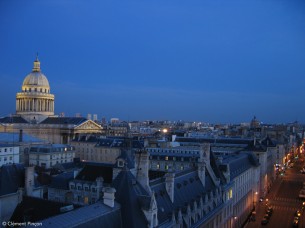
213,61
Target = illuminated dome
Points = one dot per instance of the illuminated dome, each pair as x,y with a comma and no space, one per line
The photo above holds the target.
35,102
36,80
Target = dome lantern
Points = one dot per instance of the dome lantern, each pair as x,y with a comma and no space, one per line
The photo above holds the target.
36,67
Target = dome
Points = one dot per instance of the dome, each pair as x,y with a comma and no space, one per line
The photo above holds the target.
36,79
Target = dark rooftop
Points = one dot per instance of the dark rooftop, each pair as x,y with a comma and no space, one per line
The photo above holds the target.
13,119
11,178
64,120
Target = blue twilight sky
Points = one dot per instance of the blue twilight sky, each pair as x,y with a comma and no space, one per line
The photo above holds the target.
206,60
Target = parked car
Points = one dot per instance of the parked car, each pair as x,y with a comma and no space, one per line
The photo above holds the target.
267,216
264,221
269,212
295,223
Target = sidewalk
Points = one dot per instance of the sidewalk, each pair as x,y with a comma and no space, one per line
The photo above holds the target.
261,206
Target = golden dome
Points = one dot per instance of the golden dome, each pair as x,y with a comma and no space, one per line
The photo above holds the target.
36,80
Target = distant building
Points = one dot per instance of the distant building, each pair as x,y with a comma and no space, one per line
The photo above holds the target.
51,154
9,154
22,141
35,113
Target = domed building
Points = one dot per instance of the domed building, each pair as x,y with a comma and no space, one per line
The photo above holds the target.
35,102
35,113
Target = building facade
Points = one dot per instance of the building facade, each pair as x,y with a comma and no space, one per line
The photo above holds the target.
9,154
35,107
51,154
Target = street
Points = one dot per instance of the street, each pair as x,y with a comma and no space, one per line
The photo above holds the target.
284,198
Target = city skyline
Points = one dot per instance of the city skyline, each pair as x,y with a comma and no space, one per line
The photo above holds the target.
210,61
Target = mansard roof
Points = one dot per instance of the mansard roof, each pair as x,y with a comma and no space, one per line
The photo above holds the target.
11,178
61,181
129,157
13,119
131,196
216,169
240,162
64,120
93,170
187,189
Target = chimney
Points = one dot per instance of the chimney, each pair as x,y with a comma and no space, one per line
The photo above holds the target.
170,185
142,169
108,198
20,135
99,185
29,180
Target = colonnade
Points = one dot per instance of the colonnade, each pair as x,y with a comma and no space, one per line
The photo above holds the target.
34,104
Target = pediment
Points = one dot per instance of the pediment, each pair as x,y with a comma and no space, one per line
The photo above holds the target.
88,125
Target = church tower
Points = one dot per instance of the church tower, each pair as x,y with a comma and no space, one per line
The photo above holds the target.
35,102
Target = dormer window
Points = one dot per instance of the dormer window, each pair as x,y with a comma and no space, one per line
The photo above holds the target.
120,163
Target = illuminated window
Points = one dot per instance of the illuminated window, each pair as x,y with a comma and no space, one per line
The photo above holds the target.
166,167
166,158
158,166
86,200
231,193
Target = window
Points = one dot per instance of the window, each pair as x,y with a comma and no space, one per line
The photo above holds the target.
72,186
166,158
87,189
231,193
5,150
92,200
120,163
166,167
79,187
158,166
86,200
93,189
11,158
